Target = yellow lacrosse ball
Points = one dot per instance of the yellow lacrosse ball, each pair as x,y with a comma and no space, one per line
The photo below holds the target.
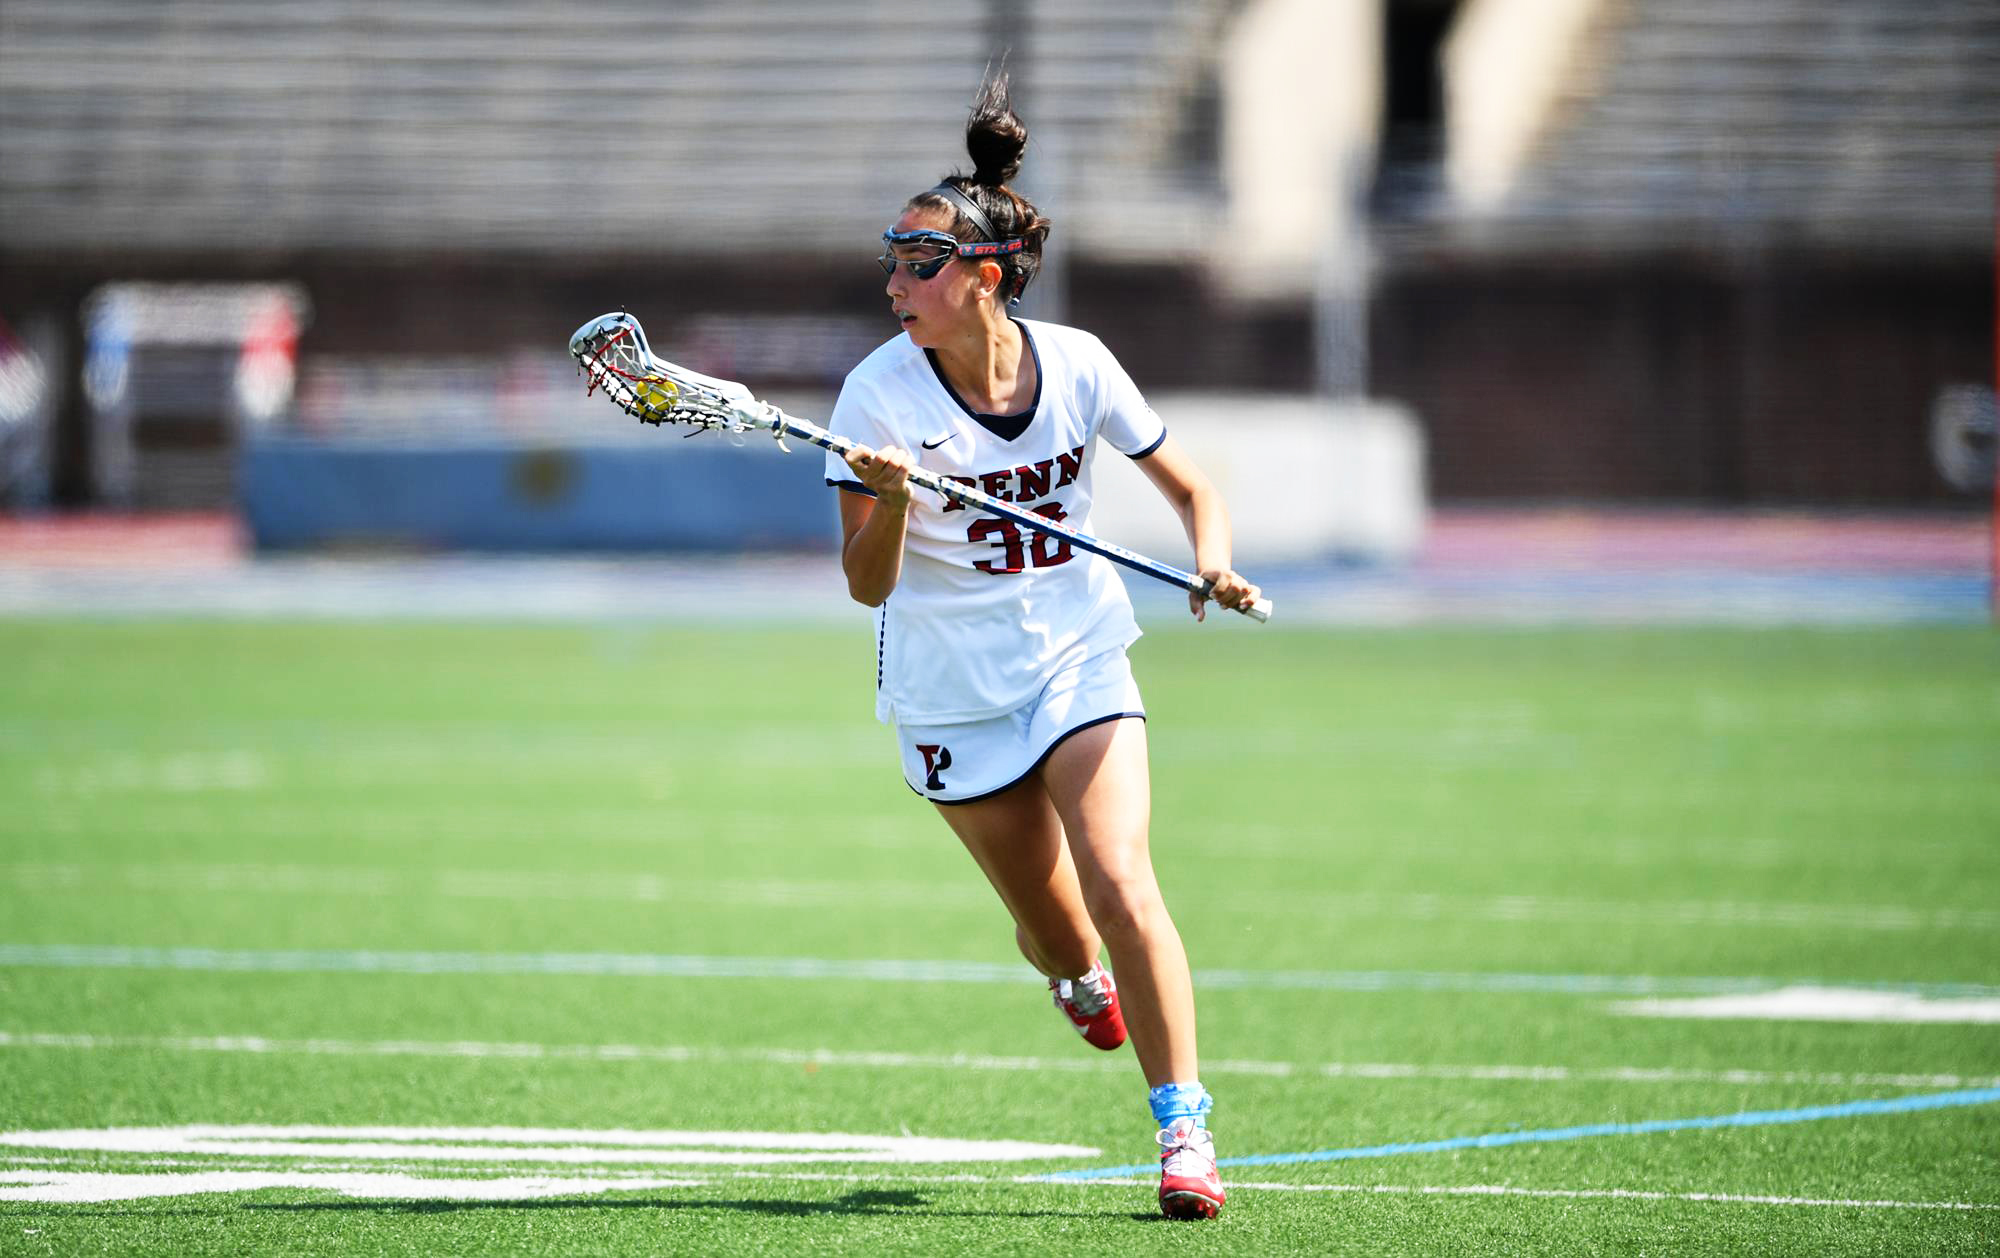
655,395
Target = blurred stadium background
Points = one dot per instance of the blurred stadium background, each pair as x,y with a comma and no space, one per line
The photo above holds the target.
1565,308
1495,318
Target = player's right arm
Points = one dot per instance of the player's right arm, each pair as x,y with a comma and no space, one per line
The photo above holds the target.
873,529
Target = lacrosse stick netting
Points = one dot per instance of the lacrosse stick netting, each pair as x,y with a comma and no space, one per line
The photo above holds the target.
612,353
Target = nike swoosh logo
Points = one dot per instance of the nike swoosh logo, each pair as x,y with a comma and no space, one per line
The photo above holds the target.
932,445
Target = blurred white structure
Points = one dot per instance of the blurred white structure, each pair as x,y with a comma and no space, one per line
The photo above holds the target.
29,383
1506,64
174,373
1305,479
1302,84
1302,109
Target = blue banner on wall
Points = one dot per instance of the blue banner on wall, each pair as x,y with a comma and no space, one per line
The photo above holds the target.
688,496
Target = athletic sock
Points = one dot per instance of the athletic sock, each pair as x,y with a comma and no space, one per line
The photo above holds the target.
1180,1100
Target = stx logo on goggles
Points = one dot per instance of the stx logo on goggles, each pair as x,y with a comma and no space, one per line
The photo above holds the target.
990,248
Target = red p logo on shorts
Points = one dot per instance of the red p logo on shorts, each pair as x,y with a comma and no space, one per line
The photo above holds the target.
937,758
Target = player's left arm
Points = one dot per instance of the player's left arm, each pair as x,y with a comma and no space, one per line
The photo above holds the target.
1205,517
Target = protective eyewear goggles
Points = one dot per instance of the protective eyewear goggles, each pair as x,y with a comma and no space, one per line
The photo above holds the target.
947,247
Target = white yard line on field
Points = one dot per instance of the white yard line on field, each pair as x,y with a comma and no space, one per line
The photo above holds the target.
242,1175
503,1147
1684,913
628,965
839,1058
1426,1190
281,879
187,878
1619,1194
389,1185
1819,1004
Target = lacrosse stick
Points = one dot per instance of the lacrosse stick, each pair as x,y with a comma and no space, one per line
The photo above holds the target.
612,353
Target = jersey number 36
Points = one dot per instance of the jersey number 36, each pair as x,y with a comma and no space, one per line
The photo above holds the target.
1040,550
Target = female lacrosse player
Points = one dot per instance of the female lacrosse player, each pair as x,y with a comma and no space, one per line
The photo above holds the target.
1001,651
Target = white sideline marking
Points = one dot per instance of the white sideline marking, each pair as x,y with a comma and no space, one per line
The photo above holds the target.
559,1145
384,1150
1690,913
1621,1194
663,965
71,1187
235,879
818,1057
186,772
1657,1074
261,879
1820,1004
705,1176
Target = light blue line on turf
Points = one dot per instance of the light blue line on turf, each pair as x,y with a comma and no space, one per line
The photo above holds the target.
1500,1139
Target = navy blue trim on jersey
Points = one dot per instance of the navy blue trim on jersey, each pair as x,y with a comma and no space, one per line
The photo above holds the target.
1039,760
1005,427
851,486
1157,443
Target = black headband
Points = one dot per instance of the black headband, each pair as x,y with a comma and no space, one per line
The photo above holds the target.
968,208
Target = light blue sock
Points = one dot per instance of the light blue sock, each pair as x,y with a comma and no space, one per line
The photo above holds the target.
1180,1100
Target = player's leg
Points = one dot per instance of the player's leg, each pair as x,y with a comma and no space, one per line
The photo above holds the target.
1097,781
1017,840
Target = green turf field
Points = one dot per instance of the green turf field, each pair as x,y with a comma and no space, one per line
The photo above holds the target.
626,878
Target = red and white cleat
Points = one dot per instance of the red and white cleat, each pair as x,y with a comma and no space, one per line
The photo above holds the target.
1189,1185
1091,1005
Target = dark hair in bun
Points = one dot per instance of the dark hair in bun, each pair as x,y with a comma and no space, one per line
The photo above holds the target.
995,136
996,139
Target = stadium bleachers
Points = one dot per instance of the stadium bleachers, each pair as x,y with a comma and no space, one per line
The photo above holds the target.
689,129
1844,122
693,128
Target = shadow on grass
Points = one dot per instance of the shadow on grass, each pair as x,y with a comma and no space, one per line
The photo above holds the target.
873,1201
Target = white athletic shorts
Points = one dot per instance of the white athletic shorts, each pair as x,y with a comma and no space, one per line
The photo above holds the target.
970,760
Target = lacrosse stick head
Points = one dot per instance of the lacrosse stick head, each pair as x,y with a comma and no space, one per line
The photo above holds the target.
612,353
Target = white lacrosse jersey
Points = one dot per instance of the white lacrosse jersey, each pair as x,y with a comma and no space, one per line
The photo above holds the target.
986,611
